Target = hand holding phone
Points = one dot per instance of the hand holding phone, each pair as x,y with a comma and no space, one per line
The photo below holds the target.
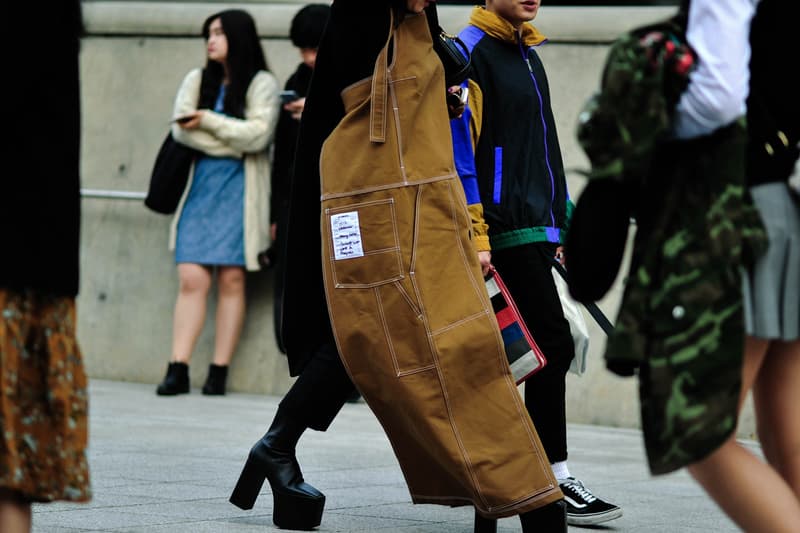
293,103
457,101
189,121
289,96
458,97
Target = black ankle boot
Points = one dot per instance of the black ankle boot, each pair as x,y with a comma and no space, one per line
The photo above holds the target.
215,382
176,381
296,504
552,518
485,525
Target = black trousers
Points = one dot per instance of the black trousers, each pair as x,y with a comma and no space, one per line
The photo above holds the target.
526,272
320,391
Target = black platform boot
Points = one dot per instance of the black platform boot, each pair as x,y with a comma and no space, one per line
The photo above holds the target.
296,505
485,525
552,518
176,381
215,382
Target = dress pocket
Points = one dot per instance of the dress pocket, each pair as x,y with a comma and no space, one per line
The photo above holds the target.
364,248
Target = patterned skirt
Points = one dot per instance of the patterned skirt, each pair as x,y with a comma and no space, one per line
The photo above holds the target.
43,399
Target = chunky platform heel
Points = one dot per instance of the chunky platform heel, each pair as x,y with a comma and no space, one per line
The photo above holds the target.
295,512
248,487
296,504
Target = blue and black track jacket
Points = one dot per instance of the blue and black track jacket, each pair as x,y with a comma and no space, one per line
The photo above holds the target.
506,146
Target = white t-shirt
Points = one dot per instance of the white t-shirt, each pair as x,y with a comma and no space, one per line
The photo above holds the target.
719,31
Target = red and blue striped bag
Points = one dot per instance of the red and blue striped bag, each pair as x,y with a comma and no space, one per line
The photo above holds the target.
524,356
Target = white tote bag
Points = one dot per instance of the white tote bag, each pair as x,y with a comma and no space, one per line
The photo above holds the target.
577,324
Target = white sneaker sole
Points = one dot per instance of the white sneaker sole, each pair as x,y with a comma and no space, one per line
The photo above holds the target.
593,519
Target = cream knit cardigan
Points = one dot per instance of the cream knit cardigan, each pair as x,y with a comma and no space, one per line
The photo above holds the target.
224,136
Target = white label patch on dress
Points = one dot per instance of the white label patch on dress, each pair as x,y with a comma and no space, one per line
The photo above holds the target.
346,235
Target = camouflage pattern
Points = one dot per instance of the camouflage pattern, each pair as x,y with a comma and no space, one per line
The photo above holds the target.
645,72
680,324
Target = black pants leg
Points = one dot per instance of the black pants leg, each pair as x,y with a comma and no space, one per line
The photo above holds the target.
320,391
526,272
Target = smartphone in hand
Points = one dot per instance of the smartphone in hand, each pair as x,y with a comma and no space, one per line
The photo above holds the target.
182,120
289,96
458,98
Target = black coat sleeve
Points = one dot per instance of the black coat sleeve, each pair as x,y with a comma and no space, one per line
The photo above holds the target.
356,32
283,161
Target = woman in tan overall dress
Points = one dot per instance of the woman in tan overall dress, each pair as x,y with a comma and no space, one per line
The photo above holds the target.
407,307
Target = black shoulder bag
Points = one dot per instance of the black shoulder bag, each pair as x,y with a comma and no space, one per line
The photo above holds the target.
170,175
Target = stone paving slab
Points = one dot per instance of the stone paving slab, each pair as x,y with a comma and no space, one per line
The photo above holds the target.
167,465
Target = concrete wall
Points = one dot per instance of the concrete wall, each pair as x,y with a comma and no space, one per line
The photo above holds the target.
133,59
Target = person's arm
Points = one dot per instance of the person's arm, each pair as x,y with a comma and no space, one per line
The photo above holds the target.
355,33
282,160
718,31
465,131
186,104
253,132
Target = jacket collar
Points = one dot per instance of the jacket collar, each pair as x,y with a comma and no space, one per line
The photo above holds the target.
501,29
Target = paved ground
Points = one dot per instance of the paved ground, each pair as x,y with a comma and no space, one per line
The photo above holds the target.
169,464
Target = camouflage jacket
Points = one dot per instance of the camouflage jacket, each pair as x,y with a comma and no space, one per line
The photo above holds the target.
645,73
680,323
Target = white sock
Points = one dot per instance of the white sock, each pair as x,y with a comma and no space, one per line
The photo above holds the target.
560,470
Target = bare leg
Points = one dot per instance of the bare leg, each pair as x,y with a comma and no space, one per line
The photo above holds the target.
748,490
15,513
190,309
736,479
755,350
230,313
777,398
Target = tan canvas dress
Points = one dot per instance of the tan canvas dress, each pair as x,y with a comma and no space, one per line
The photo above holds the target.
407,302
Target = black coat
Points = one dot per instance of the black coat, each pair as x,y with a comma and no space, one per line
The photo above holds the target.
286,134
772,104
355,34
285,145
40,209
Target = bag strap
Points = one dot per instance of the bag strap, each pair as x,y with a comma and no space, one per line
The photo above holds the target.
601,319
380,89
442,39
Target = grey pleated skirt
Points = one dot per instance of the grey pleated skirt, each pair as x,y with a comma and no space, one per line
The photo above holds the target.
772,288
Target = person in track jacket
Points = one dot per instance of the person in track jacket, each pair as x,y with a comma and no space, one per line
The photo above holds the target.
508,157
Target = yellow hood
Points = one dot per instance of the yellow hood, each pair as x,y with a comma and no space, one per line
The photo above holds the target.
499,28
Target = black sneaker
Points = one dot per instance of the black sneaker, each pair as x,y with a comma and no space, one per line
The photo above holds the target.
583,507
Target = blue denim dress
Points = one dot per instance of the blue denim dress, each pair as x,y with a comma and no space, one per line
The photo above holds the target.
211,226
